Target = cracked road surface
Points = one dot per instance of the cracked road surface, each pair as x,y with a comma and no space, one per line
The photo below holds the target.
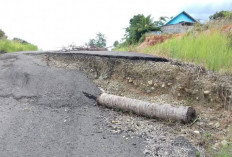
44,112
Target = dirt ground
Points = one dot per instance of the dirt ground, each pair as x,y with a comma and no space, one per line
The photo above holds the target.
173,83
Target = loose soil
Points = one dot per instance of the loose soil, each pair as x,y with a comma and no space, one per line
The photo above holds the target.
162,82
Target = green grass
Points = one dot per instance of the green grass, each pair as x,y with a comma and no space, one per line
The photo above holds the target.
122,49
212,49
126,48
14,46
225,151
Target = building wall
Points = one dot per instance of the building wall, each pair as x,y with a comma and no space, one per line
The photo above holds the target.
177,28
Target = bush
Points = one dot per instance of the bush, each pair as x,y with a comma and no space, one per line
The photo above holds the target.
14,46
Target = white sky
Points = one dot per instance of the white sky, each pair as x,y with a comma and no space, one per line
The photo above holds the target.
51,24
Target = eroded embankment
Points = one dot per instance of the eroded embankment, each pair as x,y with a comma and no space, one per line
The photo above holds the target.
181,81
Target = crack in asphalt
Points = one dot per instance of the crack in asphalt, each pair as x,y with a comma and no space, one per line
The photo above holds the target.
18,98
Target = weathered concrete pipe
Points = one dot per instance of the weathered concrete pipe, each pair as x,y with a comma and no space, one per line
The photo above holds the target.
166,111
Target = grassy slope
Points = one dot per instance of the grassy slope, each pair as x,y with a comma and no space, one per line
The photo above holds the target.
14,46
211,49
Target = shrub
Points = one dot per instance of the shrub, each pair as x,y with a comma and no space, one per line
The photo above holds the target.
14,46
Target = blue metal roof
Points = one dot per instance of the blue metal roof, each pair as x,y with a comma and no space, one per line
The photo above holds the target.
182,17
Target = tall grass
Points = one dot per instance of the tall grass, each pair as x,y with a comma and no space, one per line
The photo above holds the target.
14,46
126,48
212,49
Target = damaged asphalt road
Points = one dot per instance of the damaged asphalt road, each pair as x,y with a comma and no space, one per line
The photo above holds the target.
50,111
43,112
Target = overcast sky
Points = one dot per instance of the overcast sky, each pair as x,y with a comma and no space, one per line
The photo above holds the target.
51,24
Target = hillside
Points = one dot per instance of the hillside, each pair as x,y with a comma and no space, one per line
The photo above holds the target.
207,46
14,45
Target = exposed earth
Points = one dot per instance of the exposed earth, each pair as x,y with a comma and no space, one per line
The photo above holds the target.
44,112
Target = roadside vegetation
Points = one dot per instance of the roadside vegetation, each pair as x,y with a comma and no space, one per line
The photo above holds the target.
208,44
14,45
212,49
98,42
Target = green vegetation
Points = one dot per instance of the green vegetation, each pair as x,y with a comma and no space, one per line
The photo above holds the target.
14,46
225,151
116,43
198,154
208,44
221,14
139,25
2,35
125,47
213,49
98,42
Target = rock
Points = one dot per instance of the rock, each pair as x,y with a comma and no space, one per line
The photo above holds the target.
150,82
201,123
26,109
217,125
155,85
130,81
163,85
207,92
211,124
195,91
169,84
179,95
216,146
148,91
95,76
103,91
105,76
183,131
152,88
189,91
138,124
196,132
224,143
114,122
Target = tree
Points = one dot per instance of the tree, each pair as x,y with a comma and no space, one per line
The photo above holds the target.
20,40
162,20
116,43
139,25
92,43
99,41
221,14
2,35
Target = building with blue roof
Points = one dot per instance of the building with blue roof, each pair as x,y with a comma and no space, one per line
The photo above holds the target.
181,23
